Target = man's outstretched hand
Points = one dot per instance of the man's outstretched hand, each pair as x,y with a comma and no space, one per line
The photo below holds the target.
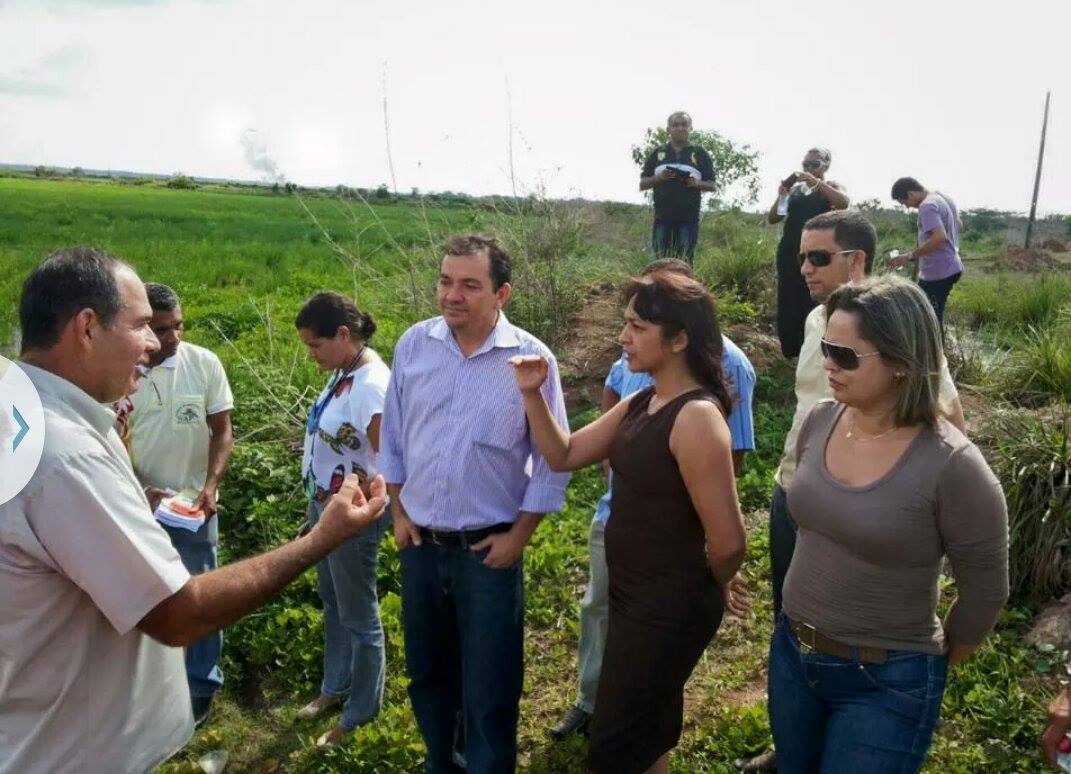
348,512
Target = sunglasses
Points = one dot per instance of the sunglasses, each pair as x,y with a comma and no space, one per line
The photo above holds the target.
820,258
810,164
845,358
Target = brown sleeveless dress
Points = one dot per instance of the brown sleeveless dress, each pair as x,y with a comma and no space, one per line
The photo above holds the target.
664,603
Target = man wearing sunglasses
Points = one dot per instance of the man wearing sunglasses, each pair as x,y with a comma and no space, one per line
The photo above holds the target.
836,247
800,196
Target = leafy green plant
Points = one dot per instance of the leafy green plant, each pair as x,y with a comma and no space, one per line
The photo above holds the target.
736,164
1010,301
1032,458
1042,363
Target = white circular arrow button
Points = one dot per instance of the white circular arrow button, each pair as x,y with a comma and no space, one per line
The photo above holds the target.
22,429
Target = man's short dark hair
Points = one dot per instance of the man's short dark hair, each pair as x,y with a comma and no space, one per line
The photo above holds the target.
851,231
161,297
65,283
905,185
474,244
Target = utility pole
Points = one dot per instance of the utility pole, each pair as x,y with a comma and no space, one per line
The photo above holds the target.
1037,176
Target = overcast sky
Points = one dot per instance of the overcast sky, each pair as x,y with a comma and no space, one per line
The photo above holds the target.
950,92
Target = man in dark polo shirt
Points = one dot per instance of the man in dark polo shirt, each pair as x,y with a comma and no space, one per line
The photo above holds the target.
678,172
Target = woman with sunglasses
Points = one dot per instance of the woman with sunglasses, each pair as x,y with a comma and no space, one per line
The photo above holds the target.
342,437
800,197
884,491
676,538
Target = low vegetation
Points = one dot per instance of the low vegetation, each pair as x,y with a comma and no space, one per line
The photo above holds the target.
243,261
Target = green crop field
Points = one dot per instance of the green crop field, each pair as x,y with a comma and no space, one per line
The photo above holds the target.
242,263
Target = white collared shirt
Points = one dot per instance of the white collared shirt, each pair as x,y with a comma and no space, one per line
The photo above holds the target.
82,561
166,420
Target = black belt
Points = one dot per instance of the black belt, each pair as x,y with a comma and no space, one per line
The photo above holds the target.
461,538
813,641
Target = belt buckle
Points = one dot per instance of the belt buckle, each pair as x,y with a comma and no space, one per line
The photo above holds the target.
806,647
434,535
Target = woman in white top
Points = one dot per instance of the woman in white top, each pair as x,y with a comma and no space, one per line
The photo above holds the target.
341,437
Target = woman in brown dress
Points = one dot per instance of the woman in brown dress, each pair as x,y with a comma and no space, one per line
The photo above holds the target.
676,539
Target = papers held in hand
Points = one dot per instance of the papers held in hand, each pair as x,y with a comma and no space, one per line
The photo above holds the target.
178,511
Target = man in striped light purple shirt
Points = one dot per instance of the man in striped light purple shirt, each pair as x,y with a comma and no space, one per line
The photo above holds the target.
468,490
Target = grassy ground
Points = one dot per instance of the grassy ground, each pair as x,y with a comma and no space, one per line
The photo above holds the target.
243,263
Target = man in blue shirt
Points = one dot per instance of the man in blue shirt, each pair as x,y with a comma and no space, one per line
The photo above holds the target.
468,489
594,608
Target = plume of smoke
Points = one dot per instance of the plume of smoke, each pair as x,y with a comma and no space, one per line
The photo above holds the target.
259,158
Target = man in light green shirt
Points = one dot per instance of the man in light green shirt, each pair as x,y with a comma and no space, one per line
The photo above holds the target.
177,427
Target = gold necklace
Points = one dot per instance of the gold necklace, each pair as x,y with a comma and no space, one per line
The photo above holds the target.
852,430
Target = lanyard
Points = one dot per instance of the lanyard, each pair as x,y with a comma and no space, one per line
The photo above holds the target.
320,406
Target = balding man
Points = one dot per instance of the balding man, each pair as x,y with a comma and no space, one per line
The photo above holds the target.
95,603
678,172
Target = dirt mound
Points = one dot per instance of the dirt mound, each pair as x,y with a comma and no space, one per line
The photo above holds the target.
1054,245
592,347
1021,259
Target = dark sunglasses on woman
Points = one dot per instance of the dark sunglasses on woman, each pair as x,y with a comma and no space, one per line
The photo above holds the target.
845,358
820,258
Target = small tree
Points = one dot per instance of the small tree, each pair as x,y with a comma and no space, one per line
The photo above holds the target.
181,181
736,166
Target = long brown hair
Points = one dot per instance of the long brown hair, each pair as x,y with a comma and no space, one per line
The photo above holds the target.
678,303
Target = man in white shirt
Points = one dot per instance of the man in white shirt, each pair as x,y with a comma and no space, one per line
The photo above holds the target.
94,600
177,428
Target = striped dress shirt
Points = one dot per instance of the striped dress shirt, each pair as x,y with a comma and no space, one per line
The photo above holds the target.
455,435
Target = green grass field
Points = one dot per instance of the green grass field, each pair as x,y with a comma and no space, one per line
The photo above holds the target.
242,264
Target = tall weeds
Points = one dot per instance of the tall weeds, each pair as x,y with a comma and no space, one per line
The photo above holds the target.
1032,457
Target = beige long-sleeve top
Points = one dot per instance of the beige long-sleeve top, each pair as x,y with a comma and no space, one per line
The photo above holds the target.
867,559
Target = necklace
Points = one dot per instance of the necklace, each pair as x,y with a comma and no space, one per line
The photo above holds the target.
853,432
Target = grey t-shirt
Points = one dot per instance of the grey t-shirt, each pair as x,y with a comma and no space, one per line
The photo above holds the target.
867,558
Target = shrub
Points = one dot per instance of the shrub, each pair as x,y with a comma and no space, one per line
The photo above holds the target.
1042,363
1032,457
181,182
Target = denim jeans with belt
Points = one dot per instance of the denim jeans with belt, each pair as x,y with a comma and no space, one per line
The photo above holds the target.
354,652
464,651
838,716
198,552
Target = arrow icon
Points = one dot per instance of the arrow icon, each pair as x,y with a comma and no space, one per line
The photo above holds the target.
23,429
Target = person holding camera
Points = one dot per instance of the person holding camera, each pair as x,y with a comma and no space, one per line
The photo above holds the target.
800,196
678,172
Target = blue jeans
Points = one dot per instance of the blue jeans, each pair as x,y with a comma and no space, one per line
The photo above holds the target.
198,553
675,239
835,716
464,651
354,652
937,291
782,544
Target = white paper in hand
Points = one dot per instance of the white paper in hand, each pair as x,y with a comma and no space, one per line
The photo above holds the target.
178,511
